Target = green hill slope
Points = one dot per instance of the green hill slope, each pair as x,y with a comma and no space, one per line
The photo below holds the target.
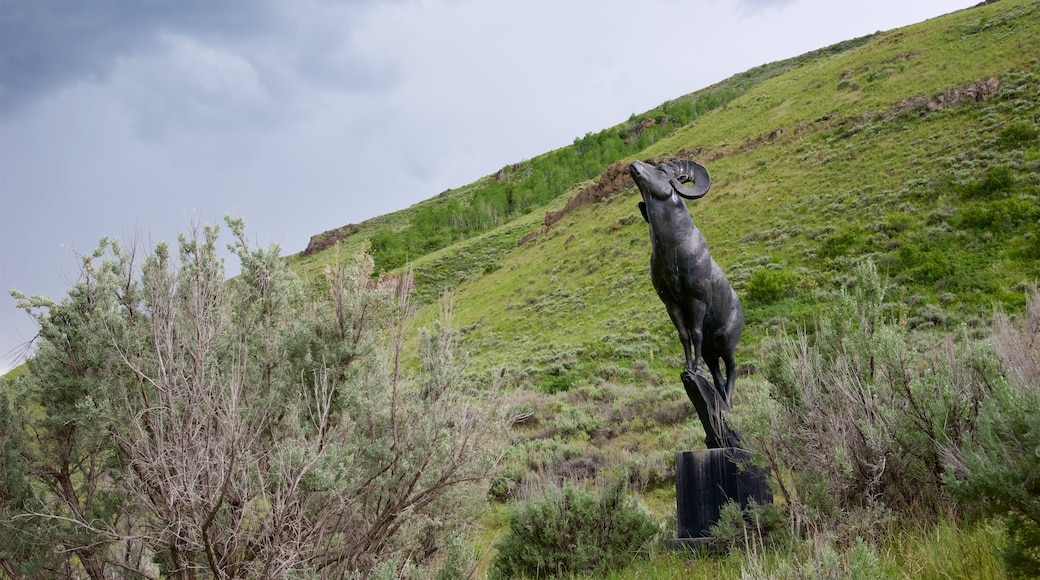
516,190
916,147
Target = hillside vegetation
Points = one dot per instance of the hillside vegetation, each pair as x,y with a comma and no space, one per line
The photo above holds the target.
917,149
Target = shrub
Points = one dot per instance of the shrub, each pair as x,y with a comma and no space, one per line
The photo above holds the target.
189,424
850,242
629,219
996,472
996,183
570,530
458,562
996,216
1017,135
767,286
858,416
752,528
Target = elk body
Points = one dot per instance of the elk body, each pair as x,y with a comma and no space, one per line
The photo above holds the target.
700,301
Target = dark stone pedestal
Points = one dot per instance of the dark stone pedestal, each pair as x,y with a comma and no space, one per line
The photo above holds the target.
707,480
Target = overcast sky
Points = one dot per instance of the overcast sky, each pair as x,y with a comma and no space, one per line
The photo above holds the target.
127,117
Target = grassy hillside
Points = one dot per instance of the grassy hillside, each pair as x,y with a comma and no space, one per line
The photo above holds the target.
918,148
517,190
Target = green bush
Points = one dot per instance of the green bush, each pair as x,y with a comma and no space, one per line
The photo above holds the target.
995,184
924,261
1001,215
941,262
1018,135
997,472
753,527
570,530
554,382
458,562
767,286
849,242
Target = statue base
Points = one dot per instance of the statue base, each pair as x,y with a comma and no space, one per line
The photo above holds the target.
707,480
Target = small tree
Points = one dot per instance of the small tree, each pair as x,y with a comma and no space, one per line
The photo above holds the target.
24,547
259,428
65,512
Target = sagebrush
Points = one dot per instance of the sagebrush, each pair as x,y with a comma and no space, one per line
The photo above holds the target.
181,424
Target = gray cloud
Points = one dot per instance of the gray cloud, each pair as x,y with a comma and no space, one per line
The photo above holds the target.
755,5
755,8
48,44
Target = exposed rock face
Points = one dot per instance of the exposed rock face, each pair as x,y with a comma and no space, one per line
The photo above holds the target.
977,91
327,239
613,181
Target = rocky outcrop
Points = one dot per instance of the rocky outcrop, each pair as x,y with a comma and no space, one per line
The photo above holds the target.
977,91
327,239
612,182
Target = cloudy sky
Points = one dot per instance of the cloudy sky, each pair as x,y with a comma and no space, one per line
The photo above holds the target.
132,118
